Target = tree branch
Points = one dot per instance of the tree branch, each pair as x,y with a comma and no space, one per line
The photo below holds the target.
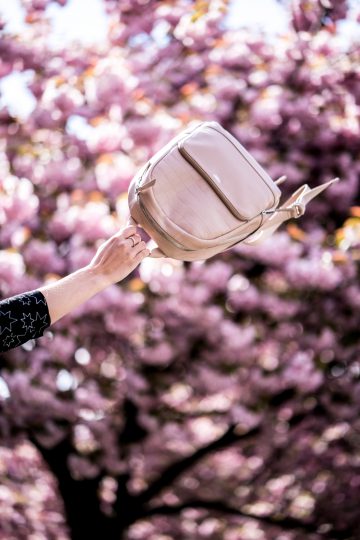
176,469
286,523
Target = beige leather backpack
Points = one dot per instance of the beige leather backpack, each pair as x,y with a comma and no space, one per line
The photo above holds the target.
203,193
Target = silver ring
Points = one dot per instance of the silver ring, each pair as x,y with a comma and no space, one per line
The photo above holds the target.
133,241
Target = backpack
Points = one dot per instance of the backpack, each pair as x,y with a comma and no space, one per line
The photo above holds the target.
203,193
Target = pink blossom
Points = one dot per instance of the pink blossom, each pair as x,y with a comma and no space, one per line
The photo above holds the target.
44,257
114,177
18,201
158,355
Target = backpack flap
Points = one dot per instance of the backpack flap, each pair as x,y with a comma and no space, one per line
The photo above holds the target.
236,177
294,207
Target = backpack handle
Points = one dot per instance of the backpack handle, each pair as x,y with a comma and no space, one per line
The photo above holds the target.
294,207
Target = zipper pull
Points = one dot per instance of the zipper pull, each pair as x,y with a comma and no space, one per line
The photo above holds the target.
145,186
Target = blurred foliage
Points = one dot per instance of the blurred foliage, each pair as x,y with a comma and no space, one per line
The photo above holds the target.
215,399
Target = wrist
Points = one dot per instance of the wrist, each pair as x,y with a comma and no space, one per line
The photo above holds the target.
96,278
71,291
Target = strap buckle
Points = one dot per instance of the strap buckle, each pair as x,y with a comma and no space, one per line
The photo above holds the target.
296,210
299,209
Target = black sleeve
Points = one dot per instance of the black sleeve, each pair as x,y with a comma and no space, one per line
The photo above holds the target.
22,317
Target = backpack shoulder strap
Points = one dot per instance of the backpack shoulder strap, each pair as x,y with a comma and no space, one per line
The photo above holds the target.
294,207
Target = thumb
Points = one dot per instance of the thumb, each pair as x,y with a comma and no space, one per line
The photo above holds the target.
156,253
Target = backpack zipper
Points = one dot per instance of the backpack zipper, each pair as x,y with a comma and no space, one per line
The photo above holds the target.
139,187
158,227
210,181
175,242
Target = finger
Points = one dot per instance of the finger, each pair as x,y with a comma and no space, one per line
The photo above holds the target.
134,240
131,241
139,247
137,238
142,254
129,231
156,253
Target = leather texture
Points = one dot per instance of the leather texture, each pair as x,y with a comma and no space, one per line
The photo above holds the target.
203,193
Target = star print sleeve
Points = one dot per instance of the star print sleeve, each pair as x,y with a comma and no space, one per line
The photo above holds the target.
22,317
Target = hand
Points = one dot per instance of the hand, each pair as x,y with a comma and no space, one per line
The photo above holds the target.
117,256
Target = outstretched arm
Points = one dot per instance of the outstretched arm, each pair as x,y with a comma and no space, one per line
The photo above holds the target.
27,315
114,260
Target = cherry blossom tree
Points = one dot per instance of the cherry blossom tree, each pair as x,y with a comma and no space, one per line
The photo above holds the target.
214,399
